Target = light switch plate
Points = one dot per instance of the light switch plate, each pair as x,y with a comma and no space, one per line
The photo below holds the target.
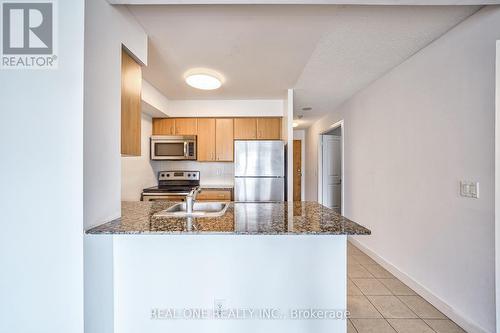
469,189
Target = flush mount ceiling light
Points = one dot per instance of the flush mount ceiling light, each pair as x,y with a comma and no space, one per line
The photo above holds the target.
204,79
295,124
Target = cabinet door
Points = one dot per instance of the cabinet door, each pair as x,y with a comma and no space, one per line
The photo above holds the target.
186,126
206,139
214,195
245,128
163,126
269,128
130,106
224,137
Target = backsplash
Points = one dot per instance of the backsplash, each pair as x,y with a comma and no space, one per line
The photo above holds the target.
211,173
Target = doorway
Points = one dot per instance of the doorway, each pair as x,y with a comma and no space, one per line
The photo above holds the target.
331,168
297,170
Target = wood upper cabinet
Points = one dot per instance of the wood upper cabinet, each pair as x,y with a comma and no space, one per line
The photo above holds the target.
163,126
269,128
131,87
175,126
216,135
224,136
206,139
186,126
245,128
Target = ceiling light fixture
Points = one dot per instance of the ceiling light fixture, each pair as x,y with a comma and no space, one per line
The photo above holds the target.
204,79
295,124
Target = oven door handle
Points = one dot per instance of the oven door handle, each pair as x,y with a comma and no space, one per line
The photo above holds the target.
185,149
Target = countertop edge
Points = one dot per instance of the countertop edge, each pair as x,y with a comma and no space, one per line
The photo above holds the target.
118,227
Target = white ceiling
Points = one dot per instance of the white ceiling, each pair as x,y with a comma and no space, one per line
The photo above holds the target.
260,50
307,2
364,43
327,53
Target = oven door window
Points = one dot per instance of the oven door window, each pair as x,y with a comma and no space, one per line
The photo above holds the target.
169,149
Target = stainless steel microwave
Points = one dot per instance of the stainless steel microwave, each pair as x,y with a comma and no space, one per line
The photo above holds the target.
166,147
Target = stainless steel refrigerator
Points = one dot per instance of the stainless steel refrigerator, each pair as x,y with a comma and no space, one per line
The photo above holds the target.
259,171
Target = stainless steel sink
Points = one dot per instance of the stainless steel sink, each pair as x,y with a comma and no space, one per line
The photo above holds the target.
200,209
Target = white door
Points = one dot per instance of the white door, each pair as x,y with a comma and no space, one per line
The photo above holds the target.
332,172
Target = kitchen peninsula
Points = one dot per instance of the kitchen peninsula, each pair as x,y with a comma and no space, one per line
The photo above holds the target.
278,258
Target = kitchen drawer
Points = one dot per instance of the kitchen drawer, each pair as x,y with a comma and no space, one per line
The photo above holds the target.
214,195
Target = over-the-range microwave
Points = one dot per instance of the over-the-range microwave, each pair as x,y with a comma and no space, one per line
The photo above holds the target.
166,147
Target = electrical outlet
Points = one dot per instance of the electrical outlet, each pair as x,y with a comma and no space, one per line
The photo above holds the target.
469,189
219,305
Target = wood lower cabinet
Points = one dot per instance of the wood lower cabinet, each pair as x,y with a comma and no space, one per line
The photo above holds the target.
131,86
186,126
269,128
224,137
163,126
245,128
214,195
206,139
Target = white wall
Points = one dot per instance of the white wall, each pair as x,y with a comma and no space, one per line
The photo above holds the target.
106,29
301,135
138,171
410,138
41,176
225,108
243,272
497,183
154,102
102,158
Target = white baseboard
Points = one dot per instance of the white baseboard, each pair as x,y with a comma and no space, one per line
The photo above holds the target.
437,302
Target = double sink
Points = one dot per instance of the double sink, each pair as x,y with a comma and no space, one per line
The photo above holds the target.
200,209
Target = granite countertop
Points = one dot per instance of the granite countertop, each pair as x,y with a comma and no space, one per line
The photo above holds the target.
240,218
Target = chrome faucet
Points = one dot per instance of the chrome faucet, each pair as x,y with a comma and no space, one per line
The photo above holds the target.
191,198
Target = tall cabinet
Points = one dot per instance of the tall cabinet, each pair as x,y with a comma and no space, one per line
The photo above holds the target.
206,139
131,87
224,136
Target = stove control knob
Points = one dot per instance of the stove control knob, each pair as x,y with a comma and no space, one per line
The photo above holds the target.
168,175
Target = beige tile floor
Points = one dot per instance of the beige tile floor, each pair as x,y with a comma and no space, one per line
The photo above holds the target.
380,303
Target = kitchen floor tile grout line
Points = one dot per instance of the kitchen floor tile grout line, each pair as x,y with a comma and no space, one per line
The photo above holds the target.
392,295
